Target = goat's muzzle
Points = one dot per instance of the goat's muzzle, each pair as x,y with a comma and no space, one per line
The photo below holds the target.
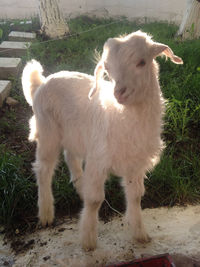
121,95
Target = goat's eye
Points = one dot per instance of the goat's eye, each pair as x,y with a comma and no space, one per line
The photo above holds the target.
141,63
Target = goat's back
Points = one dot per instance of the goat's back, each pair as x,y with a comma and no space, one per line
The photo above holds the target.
61,105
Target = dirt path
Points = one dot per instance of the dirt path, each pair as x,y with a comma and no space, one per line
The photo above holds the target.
175,231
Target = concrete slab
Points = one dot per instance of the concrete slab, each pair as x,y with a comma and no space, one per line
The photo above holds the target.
13,49
21,36
173,230
5,87
9,67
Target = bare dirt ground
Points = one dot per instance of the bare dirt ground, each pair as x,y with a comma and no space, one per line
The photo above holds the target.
173,230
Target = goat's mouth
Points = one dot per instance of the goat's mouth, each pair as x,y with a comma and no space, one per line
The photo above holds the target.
122,95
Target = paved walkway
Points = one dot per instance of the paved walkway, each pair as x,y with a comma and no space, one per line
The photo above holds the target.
173,230
10,59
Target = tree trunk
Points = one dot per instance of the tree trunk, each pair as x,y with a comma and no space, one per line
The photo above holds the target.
190,25
51,19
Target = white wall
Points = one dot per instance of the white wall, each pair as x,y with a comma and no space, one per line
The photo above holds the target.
170,10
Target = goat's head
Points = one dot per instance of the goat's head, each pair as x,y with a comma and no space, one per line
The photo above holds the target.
129,62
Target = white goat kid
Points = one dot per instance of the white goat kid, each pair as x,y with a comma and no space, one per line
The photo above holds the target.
115,130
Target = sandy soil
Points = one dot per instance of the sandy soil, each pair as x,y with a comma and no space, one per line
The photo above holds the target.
175,231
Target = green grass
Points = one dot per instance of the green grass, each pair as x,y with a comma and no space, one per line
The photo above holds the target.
176,180
17,192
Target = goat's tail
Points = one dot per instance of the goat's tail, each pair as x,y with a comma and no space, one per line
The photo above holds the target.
32,78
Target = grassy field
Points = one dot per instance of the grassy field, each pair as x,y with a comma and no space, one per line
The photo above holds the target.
176,180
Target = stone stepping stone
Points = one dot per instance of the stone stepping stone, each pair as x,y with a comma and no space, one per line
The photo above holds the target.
5,87
13,49
22,36
9,67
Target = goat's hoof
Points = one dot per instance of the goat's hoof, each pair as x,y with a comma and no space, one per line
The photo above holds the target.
89,245
45,223
143,239
46,220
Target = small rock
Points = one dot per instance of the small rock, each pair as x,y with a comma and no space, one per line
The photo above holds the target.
29,22
11,101
61,229
46,258
43,244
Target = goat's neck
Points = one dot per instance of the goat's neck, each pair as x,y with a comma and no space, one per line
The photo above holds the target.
152,100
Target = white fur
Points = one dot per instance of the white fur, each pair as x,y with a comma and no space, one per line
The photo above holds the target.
110,137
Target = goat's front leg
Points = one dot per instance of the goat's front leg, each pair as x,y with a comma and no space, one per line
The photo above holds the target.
93,196
134,189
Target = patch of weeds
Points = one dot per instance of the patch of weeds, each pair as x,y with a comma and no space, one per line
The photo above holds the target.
4,31
178,117
6,122
1,33
66,198
17,192
174,181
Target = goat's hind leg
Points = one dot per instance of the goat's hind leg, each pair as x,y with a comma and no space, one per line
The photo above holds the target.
76,171
46,158
134,189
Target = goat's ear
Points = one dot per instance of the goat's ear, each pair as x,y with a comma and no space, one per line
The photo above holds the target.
159,49
98,73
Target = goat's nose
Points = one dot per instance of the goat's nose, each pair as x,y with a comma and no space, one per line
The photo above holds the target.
120,91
